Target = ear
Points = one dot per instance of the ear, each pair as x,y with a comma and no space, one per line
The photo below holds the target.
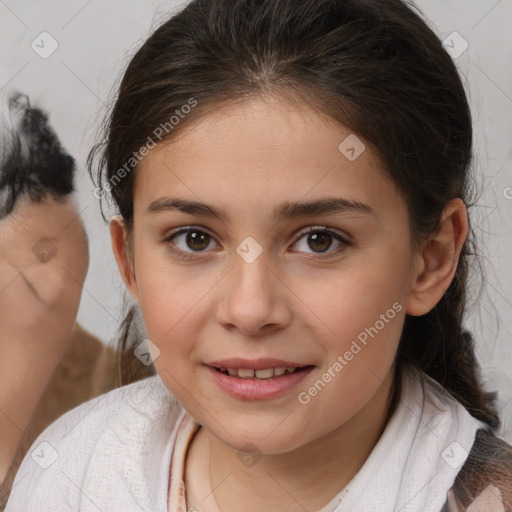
438,259
118,234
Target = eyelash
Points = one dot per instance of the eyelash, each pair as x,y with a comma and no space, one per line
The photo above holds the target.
313,229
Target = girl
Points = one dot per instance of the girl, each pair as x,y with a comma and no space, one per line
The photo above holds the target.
291,178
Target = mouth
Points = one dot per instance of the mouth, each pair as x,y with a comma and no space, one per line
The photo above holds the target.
262,379
258,369
261,374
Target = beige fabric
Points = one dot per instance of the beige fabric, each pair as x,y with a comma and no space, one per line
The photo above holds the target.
489,500
87,369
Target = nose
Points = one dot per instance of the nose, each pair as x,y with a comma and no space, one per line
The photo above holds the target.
255,298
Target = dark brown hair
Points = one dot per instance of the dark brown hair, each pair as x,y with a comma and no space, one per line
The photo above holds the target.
374,66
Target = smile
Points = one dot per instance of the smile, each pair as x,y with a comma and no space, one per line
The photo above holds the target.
265,374
258,384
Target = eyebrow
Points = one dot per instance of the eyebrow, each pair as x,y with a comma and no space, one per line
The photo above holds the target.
286,210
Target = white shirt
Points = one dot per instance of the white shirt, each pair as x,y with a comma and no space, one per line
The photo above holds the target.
115,453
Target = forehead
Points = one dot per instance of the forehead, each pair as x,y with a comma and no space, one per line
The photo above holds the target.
251,154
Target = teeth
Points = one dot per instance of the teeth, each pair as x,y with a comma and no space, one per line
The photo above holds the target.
266,373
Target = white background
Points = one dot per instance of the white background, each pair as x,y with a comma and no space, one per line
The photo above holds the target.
96,39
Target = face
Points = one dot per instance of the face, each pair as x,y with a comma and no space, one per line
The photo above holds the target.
324,289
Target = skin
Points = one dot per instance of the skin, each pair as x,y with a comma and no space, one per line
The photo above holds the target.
293,302
39,302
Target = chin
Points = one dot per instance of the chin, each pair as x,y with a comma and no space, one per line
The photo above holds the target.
263,439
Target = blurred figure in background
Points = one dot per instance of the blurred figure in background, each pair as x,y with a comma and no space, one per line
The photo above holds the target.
48,363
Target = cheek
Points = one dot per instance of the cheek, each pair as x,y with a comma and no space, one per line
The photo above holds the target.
167,293
364,314
173,300
352,301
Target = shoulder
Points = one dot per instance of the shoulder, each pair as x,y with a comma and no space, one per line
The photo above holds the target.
484,483
126,429
92,417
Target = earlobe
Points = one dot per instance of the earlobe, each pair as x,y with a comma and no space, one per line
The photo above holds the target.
118,235
439,259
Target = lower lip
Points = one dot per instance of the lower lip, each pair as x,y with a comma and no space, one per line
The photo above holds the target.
249,389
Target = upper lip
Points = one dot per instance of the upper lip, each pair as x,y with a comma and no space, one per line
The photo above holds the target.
255,364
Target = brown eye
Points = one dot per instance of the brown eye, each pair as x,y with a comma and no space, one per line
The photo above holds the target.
191,242
196,240
320,240
188,242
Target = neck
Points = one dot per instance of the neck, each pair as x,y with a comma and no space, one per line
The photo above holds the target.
285,480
